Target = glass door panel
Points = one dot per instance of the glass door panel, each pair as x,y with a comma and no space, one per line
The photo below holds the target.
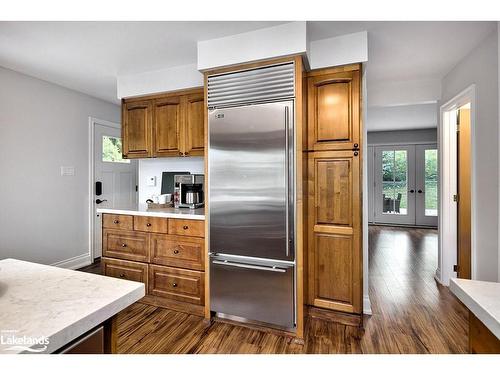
426,185
394,179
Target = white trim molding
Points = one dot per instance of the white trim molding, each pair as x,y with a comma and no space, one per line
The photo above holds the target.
367,306
91,193
447,139
74,263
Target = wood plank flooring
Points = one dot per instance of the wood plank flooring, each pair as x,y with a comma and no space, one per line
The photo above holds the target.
411,313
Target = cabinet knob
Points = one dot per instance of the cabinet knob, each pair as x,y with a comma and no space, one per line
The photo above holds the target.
174,285
185,227
122,275
356,145
176,251
148,224
124,245
116,221
186,153
180,153
356,153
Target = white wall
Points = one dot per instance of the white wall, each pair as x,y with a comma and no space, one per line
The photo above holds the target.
480,67
340,50
392,93
170,79
44,216
271,42
155,167
421,116
403,137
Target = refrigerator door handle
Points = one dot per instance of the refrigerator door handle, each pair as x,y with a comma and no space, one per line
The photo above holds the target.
287,178
248,266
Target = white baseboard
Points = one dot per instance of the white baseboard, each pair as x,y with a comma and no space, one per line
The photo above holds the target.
437,276
74,263
367,306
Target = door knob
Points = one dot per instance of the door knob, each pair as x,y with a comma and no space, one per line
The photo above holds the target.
99,201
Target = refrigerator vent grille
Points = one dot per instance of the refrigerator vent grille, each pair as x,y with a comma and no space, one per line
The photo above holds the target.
261,84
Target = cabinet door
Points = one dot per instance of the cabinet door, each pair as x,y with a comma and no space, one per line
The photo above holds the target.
333,111
334,248
167,126
137,129
194,125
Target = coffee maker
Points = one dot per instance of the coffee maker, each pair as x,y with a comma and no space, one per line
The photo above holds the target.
188,191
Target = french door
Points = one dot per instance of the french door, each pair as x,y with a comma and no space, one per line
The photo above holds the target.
405,181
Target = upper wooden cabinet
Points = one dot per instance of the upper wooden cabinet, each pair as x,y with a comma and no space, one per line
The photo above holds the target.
167,125
195,132
137,121
163,125
333,97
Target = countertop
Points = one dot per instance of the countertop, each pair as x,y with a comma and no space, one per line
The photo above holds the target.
171,212
482,298
38,301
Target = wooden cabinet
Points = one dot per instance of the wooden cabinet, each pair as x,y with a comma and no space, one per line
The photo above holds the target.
124,269
124,222
137,128
178,251
163,125
334,248
167,255
151,224
128,245
194,124
177,284
333,108
167,124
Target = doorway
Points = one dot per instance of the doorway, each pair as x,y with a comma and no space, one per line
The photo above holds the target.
457,197
406,184
113,179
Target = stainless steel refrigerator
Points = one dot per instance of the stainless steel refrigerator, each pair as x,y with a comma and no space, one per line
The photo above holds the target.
251,200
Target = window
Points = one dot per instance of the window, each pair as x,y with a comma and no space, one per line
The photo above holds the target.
431,183
112,150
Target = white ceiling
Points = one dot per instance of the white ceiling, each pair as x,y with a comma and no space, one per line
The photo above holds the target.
88,56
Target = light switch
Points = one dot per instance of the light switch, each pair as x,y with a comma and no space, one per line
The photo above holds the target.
151,181
67,171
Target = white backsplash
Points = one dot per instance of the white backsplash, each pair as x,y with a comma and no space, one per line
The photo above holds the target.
155,167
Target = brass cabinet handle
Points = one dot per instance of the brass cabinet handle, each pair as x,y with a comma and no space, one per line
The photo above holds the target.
185,227
148,224
174,285
116,221
124,245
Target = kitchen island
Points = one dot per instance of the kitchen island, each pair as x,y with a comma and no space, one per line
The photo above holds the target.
168,212
45,309
482,298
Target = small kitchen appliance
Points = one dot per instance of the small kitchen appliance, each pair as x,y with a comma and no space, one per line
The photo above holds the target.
188,191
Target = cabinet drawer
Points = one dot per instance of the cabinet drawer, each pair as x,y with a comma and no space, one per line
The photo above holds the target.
195,228
126,245
178,251
177,284
151,224
111,221
124,269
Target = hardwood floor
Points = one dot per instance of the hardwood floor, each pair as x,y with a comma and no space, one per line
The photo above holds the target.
411,313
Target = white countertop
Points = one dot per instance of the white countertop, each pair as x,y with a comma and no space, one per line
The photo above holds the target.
59,304
170,212
482,298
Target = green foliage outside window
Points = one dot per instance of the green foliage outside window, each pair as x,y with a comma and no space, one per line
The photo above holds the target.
112,150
